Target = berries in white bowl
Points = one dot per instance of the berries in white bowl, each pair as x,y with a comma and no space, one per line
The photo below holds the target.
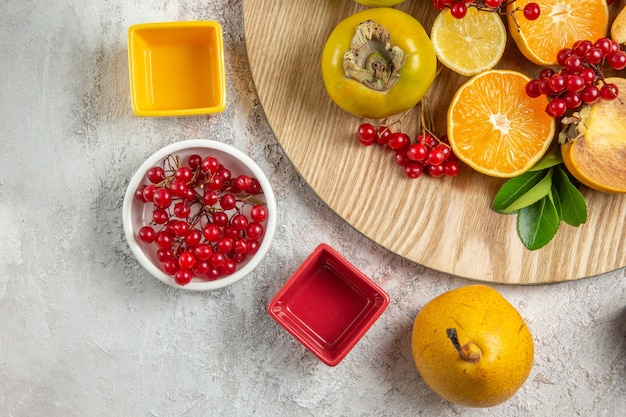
199,215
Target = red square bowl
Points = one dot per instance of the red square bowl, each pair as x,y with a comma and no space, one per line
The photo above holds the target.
328,305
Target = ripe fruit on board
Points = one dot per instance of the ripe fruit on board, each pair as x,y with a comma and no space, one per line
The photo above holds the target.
559,25
469,45
378,63
472,347
495,127
596,155
618,28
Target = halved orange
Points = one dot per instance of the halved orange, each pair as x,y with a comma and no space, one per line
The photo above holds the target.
560,24
495,128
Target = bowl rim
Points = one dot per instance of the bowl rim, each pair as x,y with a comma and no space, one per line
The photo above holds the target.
209,144
133,31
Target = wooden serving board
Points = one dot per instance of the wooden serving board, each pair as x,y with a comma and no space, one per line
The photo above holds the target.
442,223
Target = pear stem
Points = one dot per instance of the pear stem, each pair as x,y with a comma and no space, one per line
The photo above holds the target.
469,352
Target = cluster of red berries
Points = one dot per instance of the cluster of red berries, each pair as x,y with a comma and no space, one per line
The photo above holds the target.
580,79
204,221
428,154
458,8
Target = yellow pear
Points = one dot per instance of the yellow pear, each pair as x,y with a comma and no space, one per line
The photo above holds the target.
472,347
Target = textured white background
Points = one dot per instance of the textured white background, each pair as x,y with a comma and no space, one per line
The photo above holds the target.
84,331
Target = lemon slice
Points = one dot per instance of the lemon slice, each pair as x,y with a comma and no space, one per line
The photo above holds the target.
469,45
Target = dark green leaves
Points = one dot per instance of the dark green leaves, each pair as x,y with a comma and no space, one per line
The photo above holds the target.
542,197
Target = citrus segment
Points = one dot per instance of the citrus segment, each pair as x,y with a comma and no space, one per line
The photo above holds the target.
560,24
495,128
469,45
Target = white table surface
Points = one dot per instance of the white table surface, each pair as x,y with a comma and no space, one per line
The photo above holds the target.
85,331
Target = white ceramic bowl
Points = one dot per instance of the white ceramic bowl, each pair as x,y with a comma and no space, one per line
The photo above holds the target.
136,214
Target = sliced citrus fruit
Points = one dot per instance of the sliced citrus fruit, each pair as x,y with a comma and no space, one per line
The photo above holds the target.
469,45
560,24
598,157
495,128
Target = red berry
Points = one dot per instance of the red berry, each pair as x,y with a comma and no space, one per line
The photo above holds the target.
194,161
590,94
383,134
160,216
184,174
436,157
239,221
399,141
162,197
616,60
413,170
574,63
556,107
228,267
155,175
228,201
562,56
186,260
604,44
254,230
164,239
203,251
183,276
532,11
366,134
193,238
146,234
258,213
401,158
451,168
532,89
182,209
575,83
493,4
243,182
609,91
212,232
210,164
458,10
436,170
210,198
594,55
557,83
572,100
589,75
417,152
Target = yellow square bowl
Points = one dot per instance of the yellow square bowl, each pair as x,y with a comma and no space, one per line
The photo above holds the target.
177,68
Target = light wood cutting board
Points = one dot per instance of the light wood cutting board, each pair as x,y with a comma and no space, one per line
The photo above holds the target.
444,224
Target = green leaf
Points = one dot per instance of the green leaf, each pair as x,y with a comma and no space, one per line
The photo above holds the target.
554,195
536,193
538,223
515,188
573,205
551,158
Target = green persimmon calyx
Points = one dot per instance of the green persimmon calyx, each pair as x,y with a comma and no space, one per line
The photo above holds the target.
372,59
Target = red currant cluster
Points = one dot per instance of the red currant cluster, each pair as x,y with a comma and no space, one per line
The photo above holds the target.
428,154
204,220
458,8
580,79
